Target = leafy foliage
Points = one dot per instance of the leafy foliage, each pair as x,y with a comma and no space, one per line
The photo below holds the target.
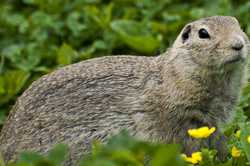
120,150
55,157
125,150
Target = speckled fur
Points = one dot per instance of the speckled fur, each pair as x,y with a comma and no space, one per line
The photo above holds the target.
154,98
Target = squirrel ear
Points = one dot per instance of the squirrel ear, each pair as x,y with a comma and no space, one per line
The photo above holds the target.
185,33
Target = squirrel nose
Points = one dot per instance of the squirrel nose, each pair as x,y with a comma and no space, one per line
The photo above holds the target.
237,44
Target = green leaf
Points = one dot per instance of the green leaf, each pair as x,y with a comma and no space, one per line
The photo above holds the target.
13,81
122,141
15,19
58,154
74,24
65,54
23,57
136,35
30,157
227,163
167,155
208,157
125,156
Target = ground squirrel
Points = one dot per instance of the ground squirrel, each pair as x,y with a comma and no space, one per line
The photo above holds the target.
194,83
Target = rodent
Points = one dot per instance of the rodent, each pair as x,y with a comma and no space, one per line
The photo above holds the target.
196,82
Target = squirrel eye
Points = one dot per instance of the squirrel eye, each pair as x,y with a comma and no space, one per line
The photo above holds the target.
203,34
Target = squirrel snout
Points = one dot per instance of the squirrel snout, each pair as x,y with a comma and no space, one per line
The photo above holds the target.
237,43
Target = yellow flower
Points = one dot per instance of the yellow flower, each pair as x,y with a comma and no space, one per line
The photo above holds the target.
248,139
202,132
235,152
237,134
195,158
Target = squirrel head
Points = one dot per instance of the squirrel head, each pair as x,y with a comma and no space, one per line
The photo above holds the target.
213,42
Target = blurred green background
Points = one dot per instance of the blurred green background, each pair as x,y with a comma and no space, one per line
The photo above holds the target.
38,36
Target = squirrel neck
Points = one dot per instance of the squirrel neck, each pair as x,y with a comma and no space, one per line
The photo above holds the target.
196,90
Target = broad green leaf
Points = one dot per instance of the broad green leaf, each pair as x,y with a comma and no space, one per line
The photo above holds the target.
24,58
136,35
125,156
74,24
227,163
14,81
65,54
58,154
167,155
30,157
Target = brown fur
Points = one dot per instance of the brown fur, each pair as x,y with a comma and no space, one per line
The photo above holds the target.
154,98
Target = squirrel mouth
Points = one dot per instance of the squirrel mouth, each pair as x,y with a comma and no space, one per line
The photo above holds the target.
234,59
